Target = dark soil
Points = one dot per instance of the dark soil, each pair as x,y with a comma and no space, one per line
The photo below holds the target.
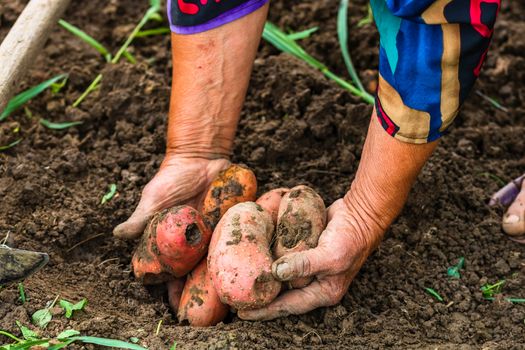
297,127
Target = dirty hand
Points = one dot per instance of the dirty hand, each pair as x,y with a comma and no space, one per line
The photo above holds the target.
343,248
180,180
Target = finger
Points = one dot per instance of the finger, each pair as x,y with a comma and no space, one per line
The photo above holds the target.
134,226
308,263
293,302
331,256
514,218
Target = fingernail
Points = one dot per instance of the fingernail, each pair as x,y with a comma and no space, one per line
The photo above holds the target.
283,270
511,219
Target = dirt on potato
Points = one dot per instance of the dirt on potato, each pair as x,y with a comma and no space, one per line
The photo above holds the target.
296,128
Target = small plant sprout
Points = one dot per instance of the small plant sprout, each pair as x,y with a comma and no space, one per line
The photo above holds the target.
453,271
22,293
31,340
174,346
24,97
110,194
490,290
92,41
435,294
158,327
152,14
42,317
280,40
58,126
70,308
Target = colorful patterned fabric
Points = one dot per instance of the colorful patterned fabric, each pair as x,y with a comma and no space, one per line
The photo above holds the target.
431,52
195,16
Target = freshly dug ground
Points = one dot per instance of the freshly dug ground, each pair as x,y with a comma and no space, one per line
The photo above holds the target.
297,128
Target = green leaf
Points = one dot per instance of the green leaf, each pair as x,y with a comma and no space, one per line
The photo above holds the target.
369,18
111,193
86,38
20,99
41,318
68,333
27,333
111,343
434,294
154,3
342,34
56,87
453,271
58,126
70,307
22,293
489,290
12,144
174,346
280,40
61,345
302,34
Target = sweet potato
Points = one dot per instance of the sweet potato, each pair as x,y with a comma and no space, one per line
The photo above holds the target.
300,222
271,200
174,242
175,288
199,304
240,260
234,185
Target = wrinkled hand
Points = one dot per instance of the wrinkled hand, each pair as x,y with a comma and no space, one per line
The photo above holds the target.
342,250
180,180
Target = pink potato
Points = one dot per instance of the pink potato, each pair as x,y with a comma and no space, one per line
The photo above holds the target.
301,220
271,200
240,260
175,240
199,304
175,288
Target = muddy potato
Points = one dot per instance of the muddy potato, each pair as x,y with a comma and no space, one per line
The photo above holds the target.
233,185
301,220
240,259
175,240
271,200
199,304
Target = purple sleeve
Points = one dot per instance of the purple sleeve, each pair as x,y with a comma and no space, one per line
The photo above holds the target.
195,16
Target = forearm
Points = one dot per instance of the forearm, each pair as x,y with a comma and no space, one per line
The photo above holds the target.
386,173
211,71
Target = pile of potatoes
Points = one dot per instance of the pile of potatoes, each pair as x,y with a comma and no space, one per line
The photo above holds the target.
241,237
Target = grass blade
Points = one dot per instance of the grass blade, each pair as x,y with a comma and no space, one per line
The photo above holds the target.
369,18
12,144
434,294
152,32
22,98
342,34
58,126
302,34
280,40
492,101
86,38
110,343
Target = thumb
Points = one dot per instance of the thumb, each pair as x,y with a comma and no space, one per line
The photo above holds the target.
308,263
134,226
